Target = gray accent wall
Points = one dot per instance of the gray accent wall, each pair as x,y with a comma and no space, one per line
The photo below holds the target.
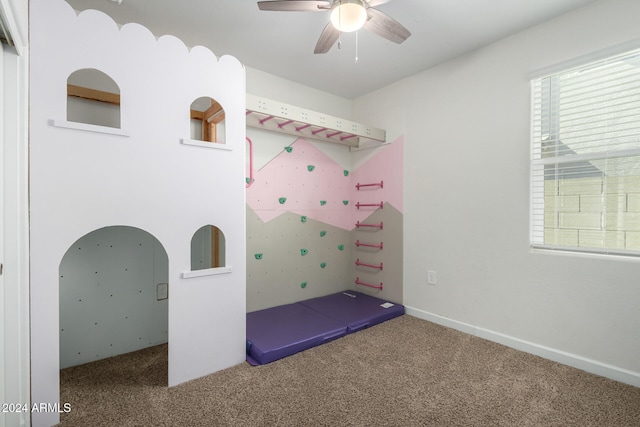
290,260
279,272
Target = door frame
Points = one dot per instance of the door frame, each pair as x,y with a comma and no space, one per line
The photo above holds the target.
14,225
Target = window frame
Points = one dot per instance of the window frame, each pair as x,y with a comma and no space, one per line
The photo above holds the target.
538,162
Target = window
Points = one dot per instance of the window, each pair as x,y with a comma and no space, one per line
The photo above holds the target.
207,248
93,98
207,120
586,157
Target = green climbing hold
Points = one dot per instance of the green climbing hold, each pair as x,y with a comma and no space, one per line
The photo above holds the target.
323,233
323,264
303,285
345,202
288,149
258,256
303,218
282,200
303,252
310,168
346,172
323,202
341,247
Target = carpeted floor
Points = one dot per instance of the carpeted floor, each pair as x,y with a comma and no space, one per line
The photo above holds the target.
404,372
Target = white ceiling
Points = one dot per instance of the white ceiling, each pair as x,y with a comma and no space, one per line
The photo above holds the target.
282,43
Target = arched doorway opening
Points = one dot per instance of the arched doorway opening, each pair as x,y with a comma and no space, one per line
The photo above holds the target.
113,295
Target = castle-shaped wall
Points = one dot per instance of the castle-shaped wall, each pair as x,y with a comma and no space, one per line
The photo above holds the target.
144,174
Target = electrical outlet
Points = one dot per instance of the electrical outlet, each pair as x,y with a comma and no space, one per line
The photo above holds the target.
432,278
162,291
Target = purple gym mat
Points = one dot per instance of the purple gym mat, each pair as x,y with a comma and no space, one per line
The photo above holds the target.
281,331
354,309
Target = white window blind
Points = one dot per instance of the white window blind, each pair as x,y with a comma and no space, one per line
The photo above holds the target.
585,171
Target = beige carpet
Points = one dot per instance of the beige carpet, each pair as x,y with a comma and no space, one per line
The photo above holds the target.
405,372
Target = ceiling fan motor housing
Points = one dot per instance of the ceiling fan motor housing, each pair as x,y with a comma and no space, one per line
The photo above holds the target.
348,15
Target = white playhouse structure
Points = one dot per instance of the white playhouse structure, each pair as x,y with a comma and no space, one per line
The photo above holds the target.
143,172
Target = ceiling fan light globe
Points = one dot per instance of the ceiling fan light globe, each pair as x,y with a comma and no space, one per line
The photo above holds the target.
348,15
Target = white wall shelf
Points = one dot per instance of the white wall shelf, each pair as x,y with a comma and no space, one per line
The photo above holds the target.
88,127
206,272
205,144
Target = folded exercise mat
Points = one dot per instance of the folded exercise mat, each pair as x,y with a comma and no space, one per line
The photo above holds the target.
281,331
355,309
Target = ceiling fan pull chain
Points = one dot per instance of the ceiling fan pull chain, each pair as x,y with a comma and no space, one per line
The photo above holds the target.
356,61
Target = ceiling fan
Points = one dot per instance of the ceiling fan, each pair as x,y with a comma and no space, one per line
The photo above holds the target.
346,16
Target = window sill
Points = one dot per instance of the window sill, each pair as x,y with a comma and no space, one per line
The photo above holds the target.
88,127
205,144
619,255
206,272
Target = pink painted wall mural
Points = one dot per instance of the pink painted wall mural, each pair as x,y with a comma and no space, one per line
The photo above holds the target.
305,181
385,167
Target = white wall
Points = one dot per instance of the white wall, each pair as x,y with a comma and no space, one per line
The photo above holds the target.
269,144
267,85
467,204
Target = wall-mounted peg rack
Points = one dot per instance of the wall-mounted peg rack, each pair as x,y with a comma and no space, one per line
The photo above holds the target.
360,224
284,118
358,282
375,184
265,120
377,205
285,123
369,245
358,263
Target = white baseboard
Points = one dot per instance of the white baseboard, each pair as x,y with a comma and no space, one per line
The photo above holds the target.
593,366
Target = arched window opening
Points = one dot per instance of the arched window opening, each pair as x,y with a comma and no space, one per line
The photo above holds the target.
207,248
207,120
93,98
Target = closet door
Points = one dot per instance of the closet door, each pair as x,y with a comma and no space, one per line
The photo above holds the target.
3,320
14,216
14,291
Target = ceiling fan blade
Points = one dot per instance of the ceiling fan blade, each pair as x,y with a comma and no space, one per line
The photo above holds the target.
385,26
374,3
295,5
327,39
